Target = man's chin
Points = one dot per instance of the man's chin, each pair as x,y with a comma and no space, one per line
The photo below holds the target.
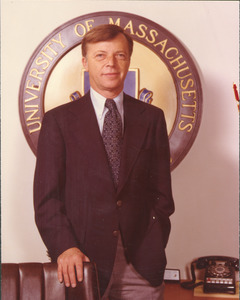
113,87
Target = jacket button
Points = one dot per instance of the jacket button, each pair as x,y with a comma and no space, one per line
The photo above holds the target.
115,233
119,203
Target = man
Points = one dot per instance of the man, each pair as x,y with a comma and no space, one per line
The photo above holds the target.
104,193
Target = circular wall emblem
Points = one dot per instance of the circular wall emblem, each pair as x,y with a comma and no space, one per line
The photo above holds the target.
162,73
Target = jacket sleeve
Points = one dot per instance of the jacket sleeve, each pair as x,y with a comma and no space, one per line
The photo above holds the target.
160,177
49,189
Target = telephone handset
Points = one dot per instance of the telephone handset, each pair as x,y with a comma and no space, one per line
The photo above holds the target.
219,274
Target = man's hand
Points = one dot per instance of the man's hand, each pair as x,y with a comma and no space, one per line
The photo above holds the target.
69,261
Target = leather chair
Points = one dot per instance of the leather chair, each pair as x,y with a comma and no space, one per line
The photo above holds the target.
39,281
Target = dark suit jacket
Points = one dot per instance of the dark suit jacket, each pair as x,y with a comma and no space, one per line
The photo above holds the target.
76,204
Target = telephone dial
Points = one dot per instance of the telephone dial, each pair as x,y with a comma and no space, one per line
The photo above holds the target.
219,274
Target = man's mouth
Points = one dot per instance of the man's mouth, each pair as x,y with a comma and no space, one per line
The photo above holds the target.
111,75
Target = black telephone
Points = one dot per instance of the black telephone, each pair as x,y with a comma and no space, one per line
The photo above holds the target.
219,274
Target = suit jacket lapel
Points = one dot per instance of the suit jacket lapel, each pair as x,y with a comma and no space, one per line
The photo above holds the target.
134,133
87,134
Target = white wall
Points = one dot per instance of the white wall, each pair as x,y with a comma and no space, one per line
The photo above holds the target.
205,184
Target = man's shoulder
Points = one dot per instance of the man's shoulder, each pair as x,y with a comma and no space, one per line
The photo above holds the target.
73,105
142,105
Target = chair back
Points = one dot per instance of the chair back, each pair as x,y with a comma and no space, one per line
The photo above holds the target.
39,281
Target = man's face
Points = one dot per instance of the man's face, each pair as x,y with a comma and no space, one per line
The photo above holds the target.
107,63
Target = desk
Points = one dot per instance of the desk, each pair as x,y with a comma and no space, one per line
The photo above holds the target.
173,291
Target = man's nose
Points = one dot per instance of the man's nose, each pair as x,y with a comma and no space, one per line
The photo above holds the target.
111,60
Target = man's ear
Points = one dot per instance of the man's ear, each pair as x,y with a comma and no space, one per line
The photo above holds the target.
85,63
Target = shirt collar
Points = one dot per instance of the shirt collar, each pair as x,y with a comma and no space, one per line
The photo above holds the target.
99,102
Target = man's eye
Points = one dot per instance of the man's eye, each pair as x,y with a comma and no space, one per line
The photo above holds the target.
121,56
100,56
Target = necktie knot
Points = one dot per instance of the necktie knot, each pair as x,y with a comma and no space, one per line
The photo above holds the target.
110,104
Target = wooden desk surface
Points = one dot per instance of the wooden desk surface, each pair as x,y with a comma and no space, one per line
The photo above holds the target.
173,291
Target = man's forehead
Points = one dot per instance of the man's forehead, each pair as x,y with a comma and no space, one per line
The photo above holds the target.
107,46
118,38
